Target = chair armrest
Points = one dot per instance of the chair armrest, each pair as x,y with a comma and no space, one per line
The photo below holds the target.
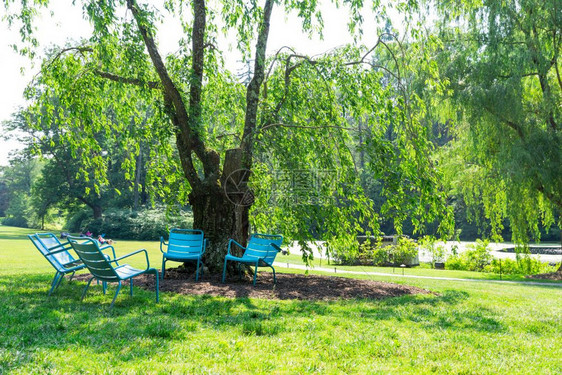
77,265
109,247
162,242
278,248
134,253
204,246
231,241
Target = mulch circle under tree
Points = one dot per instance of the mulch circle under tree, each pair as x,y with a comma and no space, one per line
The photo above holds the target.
288,287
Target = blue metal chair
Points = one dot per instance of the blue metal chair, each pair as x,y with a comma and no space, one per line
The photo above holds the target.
57,254
184,245
260,252
103,269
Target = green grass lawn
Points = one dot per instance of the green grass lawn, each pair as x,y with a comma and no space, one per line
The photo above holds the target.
464,328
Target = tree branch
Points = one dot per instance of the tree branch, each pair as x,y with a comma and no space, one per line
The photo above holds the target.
187,139
308,127
132,81
518,128
253,90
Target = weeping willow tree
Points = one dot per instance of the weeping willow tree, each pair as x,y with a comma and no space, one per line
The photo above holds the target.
502,59
275,152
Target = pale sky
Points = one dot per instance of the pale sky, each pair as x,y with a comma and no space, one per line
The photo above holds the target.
67,24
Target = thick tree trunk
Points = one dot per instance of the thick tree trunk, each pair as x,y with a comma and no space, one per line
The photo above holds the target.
220,219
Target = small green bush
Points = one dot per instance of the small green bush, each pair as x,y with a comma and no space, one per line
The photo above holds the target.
437,252
475,258
405,251
374,253
523,265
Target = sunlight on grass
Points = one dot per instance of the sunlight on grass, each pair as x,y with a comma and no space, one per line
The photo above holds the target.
463,327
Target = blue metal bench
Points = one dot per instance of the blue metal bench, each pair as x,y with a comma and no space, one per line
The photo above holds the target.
260,252
103,269
184,245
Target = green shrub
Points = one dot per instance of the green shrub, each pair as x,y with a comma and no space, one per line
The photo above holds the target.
475,258
74,223
455,262
378,255
136,225
404,252
478,258
437,252
524,264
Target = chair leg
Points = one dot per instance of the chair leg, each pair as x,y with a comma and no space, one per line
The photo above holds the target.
224,271
116,293
197,272
104,287
274,279
60,280
71,276
54,282
163,267
86,288
255,274
131,286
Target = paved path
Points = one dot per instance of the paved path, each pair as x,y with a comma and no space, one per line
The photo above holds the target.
331,270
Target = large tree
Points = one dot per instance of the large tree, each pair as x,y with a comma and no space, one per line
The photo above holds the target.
503,62
295,113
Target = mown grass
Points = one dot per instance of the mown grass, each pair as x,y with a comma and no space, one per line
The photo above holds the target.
465,327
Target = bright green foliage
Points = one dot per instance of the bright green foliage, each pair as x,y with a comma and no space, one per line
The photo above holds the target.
502,59
304,119
475,258
436,251
524,264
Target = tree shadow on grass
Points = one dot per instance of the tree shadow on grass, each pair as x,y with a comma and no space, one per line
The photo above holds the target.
137,327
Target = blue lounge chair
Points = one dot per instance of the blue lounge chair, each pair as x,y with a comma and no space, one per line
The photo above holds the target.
260,252
57,254
103,269
184,245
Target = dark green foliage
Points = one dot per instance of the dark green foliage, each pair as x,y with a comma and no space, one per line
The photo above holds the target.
142,225
4,198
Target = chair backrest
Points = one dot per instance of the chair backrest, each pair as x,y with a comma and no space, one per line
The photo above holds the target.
47,243
259,246
91,255
186,242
